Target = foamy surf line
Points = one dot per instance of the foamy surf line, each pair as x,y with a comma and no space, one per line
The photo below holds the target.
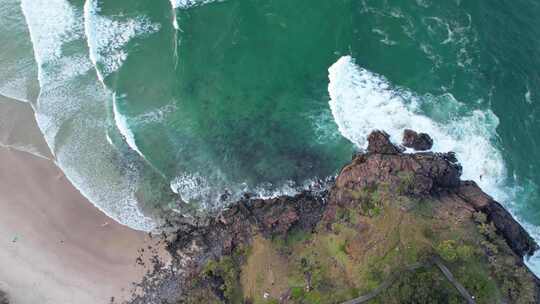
361,101
52,25
217,195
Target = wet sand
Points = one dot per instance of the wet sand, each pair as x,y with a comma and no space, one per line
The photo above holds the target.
56,247
18,128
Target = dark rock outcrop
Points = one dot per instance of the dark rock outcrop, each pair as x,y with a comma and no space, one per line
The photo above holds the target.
379,142
515,235
417,141
384,170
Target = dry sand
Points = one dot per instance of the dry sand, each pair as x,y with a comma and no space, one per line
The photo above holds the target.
55,247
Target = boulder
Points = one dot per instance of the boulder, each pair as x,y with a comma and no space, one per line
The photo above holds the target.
417,141
379,142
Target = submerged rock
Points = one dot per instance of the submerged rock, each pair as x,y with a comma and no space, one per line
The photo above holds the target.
394,227
417,141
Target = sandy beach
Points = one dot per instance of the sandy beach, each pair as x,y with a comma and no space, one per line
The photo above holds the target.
56,247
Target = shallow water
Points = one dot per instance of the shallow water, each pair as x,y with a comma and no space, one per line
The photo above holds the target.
212,99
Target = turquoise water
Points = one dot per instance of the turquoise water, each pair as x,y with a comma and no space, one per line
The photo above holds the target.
146,102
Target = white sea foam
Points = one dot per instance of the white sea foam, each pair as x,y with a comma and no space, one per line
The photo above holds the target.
528,97
184,4
18,75
194,188
155,116
107,38
289,188
385,37
216,192
57,23
362,101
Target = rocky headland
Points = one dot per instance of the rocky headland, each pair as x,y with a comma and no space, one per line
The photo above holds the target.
395,227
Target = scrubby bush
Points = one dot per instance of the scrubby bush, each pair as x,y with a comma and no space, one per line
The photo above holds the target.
422,286
447,250
450,251
228,271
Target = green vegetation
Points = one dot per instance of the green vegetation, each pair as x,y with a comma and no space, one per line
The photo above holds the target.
426,285
450,251
370,203
406,182
226,271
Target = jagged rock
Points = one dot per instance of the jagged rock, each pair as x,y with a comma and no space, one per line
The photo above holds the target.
417,141
419,173
379,142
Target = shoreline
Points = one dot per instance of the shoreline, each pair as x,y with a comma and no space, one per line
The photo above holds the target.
19,129
56,246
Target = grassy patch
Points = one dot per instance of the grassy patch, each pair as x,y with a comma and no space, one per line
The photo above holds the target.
265,272
406,182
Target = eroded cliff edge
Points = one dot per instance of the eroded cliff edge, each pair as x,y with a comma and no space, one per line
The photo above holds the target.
394,228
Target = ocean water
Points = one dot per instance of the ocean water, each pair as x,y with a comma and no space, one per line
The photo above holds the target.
185,105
